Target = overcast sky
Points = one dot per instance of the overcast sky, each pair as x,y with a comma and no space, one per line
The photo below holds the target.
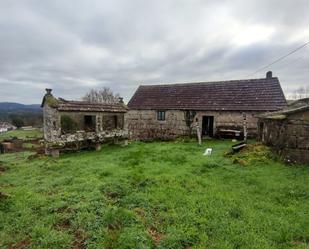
74,45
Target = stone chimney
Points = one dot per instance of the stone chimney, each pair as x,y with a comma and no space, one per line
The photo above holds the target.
269,74
48,91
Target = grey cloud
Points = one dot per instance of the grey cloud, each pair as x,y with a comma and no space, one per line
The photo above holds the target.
73,46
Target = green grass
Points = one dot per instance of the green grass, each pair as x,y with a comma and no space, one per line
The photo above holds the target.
154,195
26,135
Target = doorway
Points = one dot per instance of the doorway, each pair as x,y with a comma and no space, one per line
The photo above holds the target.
208,126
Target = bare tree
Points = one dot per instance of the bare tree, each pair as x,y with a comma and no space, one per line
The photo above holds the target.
105,95
307,92
300,93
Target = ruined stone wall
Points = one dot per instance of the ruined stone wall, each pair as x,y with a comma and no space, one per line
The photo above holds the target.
104,120
143,124
105,126
51,123
112,121
290,136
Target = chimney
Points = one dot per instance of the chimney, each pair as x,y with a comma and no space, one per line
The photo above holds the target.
269,74
48,91
121,100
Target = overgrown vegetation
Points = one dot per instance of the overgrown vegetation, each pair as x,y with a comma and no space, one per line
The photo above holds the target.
153,195
52,101
253,154
68,124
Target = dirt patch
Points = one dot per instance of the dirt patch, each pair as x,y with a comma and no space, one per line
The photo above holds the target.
64,209
35,156
301,240
112,195
7,185
4,196
79,234
155,235
18,145
64,224
23,244
240,161
80,238
51,192
2,168
115,226
140,212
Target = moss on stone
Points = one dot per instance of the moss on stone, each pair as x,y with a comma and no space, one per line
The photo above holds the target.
51,101
278,117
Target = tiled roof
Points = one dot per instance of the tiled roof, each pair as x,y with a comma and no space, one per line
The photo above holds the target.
65,105
253,94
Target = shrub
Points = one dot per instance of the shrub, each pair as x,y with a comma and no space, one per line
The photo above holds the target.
17,121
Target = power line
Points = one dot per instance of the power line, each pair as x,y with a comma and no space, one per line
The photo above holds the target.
280,58
292,62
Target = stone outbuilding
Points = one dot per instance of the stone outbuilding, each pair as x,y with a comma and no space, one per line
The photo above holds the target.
287,131
77,124
172,110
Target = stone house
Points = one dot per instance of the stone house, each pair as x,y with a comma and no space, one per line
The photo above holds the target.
78,124
172,110
5,126
287,131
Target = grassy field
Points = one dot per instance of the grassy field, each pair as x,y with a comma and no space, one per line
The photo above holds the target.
26,135
154,195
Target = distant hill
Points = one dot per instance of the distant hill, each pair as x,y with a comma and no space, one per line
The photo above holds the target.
30,114
11,106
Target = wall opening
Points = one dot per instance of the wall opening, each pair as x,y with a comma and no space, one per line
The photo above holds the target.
261,126
208,126
261,131
112,122
89,122
115,122
68,124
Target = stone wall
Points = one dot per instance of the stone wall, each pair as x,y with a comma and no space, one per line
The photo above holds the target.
143,124
112,121
108,125
51,123
290,136
231,120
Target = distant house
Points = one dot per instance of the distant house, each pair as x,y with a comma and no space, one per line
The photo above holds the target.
76,124
170,110
288,131
27,128
5,126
